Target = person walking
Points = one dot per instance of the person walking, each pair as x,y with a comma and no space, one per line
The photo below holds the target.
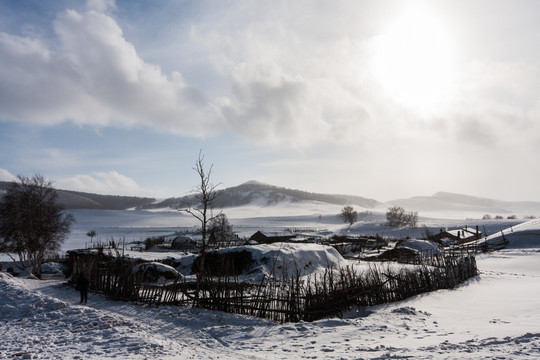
82,287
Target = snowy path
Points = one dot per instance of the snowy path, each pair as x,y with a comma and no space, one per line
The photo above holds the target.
49,320
496,315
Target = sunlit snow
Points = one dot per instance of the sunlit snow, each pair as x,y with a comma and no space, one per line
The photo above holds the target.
494,315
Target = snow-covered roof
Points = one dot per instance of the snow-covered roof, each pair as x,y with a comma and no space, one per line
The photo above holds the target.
275,234
182,239
423,246
463,232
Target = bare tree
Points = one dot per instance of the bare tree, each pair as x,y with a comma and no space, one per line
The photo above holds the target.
348,214
32,223
205,195
221,230
397,217
91,234
411,218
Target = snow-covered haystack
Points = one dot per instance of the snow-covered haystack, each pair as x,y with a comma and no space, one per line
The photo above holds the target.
521,236
156,273
52,269
420,246
289,260
276,260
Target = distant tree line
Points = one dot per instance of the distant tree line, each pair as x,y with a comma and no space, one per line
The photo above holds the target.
509,217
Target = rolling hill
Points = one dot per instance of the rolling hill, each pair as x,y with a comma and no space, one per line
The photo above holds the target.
444,202
264,195
253,192
82,200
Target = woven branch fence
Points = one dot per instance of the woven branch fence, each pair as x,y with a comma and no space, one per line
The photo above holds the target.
281,300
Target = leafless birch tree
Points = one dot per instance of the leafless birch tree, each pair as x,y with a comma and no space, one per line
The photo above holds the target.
202,208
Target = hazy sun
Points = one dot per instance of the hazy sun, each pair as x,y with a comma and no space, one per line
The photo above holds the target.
414,61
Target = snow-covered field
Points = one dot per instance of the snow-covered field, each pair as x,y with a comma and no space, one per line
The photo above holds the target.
133,225
495,315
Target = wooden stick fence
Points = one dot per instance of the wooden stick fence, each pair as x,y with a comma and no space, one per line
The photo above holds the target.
288,300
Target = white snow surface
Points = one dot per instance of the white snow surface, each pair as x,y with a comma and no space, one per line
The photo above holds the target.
522,235
494,315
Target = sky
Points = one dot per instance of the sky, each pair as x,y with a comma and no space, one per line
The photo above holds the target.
381,99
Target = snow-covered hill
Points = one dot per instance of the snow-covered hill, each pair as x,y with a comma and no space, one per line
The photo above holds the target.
524,235
264,195
83,200
448,205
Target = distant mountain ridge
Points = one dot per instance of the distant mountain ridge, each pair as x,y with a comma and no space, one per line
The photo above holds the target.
260,194
254,192
248,193
82,200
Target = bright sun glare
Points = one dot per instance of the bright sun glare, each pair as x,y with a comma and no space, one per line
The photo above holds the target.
414,62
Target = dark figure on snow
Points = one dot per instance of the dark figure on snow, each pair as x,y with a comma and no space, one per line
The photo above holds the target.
82,287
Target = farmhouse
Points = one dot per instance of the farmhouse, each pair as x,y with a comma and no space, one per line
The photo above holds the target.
265,237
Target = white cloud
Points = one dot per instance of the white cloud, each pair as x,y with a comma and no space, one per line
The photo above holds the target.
6,175
109,183
92,75
496,106
276,73
286,86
